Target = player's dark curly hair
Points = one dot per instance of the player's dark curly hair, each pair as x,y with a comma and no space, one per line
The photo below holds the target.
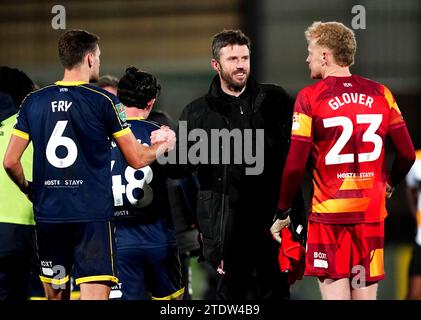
136,88
15,83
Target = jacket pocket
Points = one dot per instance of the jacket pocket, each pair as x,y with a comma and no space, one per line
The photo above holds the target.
209,220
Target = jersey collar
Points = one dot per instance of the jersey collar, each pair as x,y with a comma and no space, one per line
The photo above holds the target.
135,118
70,83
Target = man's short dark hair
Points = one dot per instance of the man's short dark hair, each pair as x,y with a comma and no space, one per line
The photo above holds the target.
107,81
74,44
136,88
15,83
228,38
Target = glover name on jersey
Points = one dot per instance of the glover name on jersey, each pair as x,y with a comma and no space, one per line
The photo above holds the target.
347,98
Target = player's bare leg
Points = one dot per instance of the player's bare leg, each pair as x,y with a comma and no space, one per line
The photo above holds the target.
54,292
414,291
369,292
335,289
95,291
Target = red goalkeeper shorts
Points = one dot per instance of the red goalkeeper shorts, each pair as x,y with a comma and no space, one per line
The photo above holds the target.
345,251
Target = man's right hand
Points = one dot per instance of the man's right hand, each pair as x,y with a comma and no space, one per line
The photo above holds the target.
280,221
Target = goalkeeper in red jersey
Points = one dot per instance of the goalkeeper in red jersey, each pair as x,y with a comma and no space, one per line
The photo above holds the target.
340,124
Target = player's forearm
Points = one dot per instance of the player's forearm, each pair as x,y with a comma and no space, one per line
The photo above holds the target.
147,155
405,155
137,155
144,156
293,173
14,170
11,161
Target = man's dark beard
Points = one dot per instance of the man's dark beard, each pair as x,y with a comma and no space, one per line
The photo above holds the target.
233,86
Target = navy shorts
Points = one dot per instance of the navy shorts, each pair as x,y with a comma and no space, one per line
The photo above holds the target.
84,249
154,270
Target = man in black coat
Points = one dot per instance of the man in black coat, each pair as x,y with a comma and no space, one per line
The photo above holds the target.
240,176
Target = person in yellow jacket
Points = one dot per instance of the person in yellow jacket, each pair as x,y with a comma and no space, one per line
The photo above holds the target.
17,231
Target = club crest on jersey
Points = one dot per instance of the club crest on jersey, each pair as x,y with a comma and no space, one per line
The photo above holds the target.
121,110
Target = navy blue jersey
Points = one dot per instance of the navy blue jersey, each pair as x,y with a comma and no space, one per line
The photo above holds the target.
139,193
130,234
70,125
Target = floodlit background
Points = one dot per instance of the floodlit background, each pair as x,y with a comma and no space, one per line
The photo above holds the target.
172,38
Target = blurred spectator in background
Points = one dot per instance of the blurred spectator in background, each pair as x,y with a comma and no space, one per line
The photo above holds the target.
413,181
17,231
109,83
15,83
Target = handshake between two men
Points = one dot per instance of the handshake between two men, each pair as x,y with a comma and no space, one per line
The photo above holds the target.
165,138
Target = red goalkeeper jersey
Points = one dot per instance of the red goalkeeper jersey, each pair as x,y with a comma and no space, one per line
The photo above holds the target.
346,120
